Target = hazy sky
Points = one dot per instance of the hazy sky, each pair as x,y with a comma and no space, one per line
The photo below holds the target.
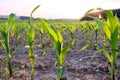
55,8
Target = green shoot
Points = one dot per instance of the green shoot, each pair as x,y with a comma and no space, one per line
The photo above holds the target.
5,41
72,29
110,29
61,52
30,40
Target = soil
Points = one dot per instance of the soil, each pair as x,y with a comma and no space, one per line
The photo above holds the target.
79,65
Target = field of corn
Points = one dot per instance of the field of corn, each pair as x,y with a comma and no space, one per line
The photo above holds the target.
59,50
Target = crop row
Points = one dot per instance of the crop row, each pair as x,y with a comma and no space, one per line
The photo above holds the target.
63,36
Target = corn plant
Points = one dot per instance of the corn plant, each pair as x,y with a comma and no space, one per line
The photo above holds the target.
5,41
41,34
73,38
61,52
30,40
92,29
15,32
110,29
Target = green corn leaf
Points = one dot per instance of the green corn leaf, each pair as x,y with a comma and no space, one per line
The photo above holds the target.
49,30
41,30
45,51
30,33
34,11
58,46
113,26
30,39
53,28
111,20
111,30
73,41
72,29
107,31
5,41
60,37
107,55
30,36
86,46
11,19
53,33
114,38
64,53
105,28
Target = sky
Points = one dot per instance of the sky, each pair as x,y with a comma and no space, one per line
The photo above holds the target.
52,9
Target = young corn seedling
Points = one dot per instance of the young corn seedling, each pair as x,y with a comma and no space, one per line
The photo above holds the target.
61,52
110,28
5,41
73,38
41,34
16,34
90,30
30,40
93,32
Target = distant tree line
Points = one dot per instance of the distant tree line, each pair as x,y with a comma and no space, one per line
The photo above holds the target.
24,18
18,17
